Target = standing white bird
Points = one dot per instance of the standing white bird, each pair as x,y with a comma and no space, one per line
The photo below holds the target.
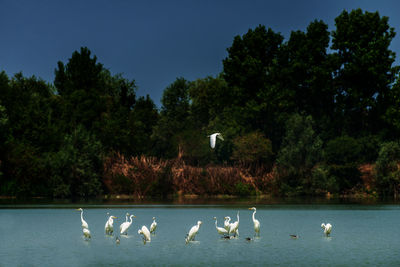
227,223
153,226
123,228
256,222
84,223
146,234
220,230
109,227
193,232
86,233
234,227
213,139
126,217
327,228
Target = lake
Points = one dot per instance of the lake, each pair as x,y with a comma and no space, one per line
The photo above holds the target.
51,235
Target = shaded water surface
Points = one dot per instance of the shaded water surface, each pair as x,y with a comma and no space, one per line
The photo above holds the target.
51,235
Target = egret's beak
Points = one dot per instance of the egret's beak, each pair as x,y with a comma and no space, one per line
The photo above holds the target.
114,217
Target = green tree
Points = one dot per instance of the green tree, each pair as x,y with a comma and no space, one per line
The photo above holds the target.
249,59
299,153
387,169
253,150
250,71
113,127
392,113
27,102
343,155
142,120
76,169
208,99
308,65
4,135
81,85
364,71
174,114
30,132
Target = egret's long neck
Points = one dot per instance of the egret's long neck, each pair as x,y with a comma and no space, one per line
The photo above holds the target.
216,223
254,213
130,219
238,216
82,216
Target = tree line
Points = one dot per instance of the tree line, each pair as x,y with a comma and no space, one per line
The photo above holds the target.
307,111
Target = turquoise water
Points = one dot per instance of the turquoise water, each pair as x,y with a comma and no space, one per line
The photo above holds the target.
362,235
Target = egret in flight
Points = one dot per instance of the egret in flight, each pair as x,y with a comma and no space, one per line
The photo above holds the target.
153,226
327,228
255,222
193,232
123,228
234,227
213,139
84,223
145,233
109,227
220,230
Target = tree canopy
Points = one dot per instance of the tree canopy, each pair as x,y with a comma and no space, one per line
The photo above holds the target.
300,115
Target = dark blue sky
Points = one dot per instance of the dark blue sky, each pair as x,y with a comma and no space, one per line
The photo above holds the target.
154,42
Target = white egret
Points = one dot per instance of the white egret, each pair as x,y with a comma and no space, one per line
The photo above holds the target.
213,139
234,227
327,228
220,230
123,228
153,226
294,236
145,233
109,227
84,223
256,222
126,217
86,233
193,232
227,222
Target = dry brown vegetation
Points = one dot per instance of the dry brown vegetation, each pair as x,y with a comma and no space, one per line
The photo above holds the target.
147,176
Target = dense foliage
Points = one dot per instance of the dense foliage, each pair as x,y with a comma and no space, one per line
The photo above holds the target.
298,116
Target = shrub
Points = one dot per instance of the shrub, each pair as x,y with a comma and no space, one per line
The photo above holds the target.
252,150
342,150
243,189
322,181
387,170
343,155
77,167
